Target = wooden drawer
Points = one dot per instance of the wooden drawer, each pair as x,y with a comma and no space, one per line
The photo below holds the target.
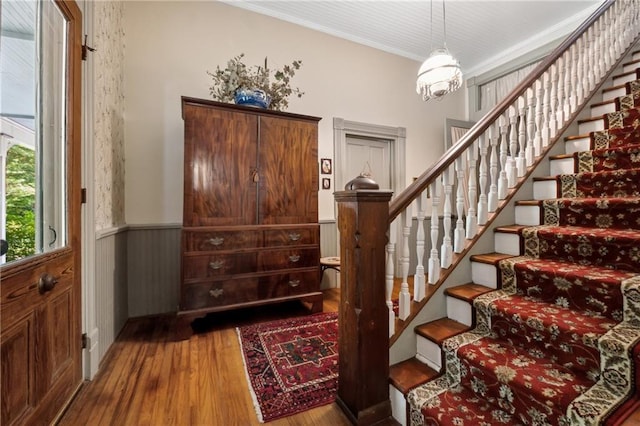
282,285
221,240
291,236
219,293
271,260
217,265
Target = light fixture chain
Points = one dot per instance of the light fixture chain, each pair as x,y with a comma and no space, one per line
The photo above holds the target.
444,25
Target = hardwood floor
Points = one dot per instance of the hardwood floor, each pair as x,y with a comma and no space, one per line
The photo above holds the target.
148,379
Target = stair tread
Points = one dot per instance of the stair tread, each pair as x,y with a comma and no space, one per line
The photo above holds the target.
409,374
467,292
561,156
441,329
511,229
636,61
490,258
610,101
587,120
536,203
574,137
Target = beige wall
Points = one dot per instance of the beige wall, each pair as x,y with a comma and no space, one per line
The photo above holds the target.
171,45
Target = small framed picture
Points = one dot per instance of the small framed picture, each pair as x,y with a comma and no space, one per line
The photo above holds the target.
325,166
326,183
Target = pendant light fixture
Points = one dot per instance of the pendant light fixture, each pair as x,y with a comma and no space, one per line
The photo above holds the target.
440,73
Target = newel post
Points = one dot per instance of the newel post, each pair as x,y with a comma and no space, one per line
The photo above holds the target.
363,384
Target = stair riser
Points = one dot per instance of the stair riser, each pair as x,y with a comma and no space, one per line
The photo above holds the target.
543,190
630,67
561,166
603,109
398,405
484,274
459,310
610,95
527,215
590,126
507,243
429,353
577,145
624,78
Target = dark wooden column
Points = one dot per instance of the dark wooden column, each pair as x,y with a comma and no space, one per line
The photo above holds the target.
363,384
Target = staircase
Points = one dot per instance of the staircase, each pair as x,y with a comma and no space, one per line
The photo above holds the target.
547,332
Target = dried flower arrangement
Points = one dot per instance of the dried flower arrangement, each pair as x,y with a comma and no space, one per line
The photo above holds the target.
237,76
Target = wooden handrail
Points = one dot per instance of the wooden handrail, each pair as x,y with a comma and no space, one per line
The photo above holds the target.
408,195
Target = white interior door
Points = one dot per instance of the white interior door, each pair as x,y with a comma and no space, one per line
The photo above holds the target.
369,155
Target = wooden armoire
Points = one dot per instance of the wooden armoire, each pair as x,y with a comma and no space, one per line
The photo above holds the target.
250,233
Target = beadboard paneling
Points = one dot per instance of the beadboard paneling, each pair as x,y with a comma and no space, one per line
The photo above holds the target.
329,247
153,269
111,287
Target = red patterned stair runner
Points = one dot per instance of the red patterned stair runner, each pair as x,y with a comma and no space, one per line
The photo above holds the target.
557,344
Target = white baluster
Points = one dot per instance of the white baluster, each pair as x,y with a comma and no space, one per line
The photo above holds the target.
531,129
553,104
579,77
434,261
504,148
419,289
483,206
458,235
590,64
512,172
521,159
536,140
494,137
472,219
567,88
560,106
405,296
546,109
574,86
446,251
389,274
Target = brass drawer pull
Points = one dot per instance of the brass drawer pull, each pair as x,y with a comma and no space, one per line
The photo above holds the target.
216,264
294,283
294,236
216,292
294,258
216,241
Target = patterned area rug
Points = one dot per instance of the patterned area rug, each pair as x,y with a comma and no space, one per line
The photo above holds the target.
292,364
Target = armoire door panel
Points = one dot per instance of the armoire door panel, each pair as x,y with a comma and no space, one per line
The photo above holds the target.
288,158
220,167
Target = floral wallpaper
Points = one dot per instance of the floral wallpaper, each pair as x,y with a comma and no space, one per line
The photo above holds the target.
109,113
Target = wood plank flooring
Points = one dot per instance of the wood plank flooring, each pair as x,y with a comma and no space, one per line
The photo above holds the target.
146,378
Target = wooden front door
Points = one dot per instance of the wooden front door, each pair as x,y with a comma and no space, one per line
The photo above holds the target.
40,312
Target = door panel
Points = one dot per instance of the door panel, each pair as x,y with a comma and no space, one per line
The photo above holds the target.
288,165
220,150
40,311
369,156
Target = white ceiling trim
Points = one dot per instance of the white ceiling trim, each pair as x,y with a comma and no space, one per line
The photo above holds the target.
253,7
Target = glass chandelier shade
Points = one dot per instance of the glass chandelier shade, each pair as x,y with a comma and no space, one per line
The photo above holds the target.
439,74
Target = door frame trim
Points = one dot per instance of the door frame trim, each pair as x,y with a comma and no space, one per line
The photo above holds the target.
396,136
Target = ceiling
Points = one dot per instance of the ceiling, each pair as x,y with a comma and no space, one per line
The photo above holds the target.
479,33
